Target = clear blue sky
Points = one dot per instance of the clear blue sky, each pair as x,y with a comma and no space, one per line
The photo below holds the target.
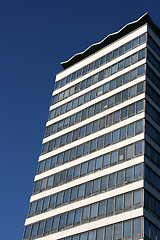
35,36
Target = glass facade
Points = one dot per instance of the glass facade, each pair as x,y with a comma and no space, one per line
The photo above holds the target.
98,174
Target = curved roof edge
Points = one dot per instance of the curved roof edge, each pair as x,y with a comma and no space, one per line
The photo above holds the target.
111,38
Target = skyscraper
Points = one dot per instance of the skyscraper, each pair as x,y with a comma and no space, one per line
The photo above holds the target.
99,171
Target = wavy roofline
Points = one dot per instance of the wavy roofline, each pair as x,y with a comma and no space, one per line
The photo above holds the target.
111,38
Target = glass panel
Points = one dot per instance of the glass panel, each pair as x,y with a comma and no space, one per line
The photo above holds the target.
129,174
81,190
78,213
34,229
55,222
137,226
118,231
85,214
96,185
70,218
48,225
94,210
120,177
104,183
127,231
112,180
102,208
109,232
128,200
119,203
137,197
114,157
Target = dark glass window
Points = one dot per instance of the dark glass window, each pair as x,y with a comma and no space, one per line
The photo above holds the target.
109,232
70,218
127,231
96,185
104,183
34,229
94,210
120,177
73,194
81,189
110,206
102,60
48,225
129,174
108,139
119,203
114,157
52,201
93,145
62,222
112,180
102,208
55,222
85,214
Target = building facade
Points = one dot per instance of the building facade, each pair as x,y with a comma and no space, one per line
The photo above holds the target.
99,171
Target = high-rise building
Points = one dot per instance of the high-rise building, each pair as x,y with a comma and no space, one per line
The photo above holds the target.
99,171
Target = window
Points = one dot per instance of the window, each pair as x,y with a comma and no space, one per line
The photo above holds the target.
34,229
131,109
48,225
112,84
119,203
73,194
129,174
93,145
139,106
127,231
100,142
134,58
119,81
88,128
102,208
128,200
117,116
115,136
135,42
127,62
85,214
98,163
70,218
88,188
132,91
81,189
123,133
137,226
131,129
138,171
62,220
128,46
125,95
121,154
96,185
104,183
108,139
138,147
120,177
114,157
112,180
110,206
109,232
139,126
99,91
94,210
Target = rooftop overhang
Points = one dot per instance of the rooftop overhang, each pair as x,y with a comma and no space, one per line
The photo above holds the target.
111,38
